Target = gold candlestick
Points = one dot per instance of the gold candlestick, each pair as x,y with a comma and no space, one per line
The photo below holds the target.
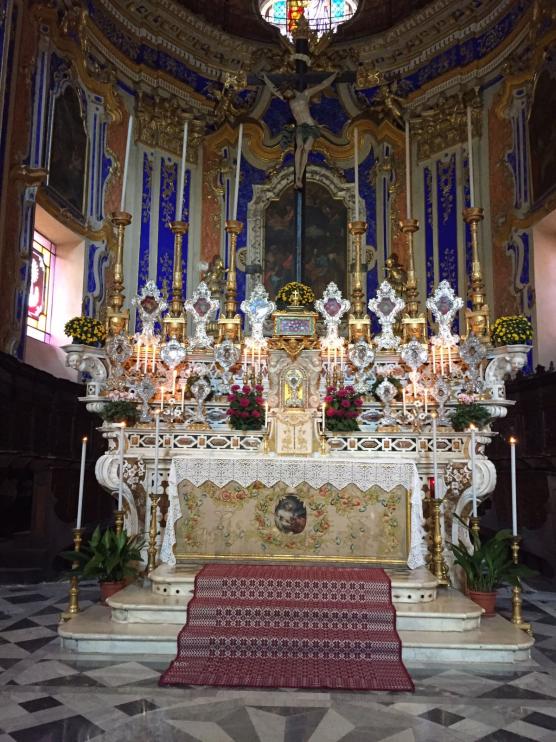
359,322
414,326
474,527
323,443
477,318
118,521
73,600
116,317
175,321
439,566
153,533
517,618
230,323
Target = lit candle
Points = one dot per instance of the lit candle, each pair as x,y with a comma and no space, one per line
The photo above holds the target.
323,415
403,400
342,359
470,158
238,170
441,360
156,448
514,486
265,415
162,398
138,354
434,359
414,383
407,171
121,488
174,377
181,189
126,161
473,491
328,355
182,396
356,171
426,397
449,360
258,357
245,360
81,483
146,356
154,357
434,458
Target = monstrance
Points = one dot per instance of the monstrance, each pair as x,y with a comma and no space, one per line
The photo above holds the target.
387,306
332,307
444,305
472,352
226,354
361,355
173,353
257,308
151,305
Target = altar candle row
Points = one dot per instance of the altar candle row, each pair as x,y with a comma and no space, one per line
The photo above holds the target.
442,360
415,396
145,357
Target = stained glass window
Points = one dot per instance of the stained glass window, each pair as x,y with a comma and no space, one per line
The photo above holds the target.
40,292
323,15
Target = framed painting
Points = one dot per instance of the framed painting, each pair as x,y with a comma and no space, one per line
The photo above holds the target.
67,161
325,248
542,136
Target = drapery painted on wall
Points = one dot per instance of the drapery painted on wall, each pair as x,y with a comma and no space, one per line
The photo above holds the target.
325,241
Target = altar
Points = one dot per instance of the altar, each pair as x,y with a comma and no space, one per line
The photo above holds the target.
251,507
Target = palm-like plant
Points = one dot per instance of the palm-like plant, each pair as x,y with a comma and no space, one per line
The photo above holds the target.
490,563
108,556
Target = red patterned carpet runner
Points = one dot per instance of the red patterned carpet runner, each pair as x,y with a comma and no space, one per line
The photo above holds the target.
290,627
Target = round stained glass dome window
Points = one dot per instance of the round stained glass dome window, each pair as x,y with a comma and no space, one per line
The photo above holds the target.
322,15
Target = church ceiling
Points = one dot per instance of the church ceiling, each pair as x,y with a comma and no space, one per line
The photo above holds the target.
242,17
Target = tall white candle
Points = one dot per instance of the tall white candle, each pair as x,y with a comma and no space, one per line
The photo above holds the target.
323,416
126,161
162,390
238,170
181,189
81,483
182,396
404,400
435,458
356,171
470,157
514,486
473,490
407,171
174,377
138,346
121,487
156,448
266,415
426,399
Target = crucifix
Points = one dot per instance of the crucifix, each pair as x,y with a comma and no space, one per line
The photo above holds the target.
296,91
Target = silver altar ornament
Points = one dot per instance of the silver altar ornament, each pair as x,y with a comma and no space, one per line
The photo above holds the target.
151,305
387,306
444,305
118,348
361,355
200,390
414,354
173,353
145,390
472,352
226,355
332,307
201,306
442,392
386,392
257,309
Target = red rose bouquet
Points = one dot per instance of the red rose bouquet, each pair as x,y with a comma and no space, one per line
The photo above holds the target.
343,407
246,411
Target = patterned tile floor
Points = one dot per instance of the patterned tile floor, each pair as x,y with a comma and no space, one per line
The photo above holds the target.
47,695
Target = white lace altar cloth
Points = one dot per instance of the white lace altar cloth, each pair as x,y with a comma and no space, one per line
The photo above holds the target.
339,472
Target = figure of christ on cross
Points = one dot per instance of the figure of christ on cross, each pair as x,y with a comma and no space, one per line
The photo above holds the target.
306,129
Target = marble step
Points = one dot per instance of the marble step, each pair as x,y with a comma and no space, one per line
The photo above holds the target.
408,585
497,640
451,611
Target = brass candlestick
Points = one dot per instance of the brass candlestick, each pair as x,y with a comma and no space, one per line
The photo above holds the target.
477,318
323,443
474,527
118,521
439,566
175,321
359,322
153,533
517,618
73,601
414,326
116,317
230,323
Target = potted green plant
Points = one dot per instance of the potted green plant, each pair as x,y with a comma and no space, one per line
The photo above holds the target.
108,557
120,411
487,566
465,414
86,331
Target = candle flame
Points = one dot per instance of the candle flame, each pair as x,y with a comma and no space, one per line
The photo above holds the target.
85,439
472,427
513,440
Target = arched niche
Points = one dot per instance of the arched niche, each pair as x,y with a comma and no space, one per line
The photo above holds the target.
328,250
